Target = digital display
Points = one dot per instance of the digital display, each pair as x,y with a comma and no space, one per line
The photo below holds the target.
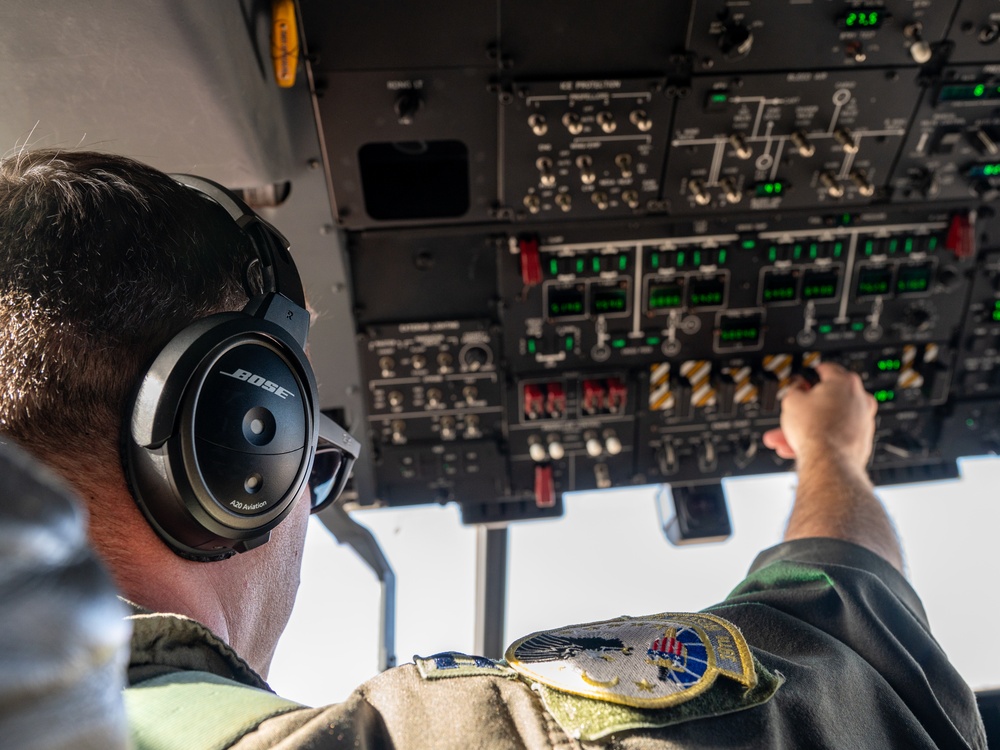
864,19
780,287
874,281
665,296
772,189
605,300
913,279
985,170
819,285
739,331
708,292
889,364
958,92
565,302
884,395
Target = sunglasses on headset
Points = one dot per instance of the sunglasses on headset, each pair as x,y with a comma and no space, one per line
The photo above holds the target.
335,456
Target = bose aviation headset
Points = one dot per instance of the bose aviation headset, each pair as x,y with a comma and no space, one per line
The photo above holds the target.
224,431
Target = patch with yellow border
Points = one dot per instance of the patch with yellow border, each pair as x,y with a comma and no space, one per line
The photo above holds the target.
645,662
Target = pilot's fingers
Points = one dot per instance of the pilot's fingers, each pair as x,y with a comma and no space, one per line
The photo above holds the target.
775,440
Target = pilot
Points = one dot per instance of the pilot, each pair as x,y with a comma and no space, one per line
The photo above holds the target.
109,271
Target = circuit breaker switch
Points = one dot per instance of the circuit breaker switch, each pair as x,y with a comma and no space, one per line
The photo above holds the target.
612,443
557,452
802,144
593,445
536,450
845,138
740,146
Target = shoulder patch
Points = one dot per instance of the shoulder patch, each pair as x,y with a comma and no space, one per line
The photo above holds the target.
453,664
647,662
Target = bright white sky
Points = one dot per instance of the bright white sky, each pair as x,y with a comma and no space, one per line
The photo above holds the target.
607,557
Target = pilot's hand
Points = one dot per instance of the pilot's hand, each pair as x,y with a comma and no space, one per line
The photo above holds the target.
833,419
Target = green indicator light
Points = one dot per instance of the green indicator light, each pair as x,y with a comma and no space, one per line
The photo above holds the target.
985,170
996,310
908,245
719,98
874,281
779,293
579,265
913,279
661,298
869,247
968,92
825,328
769,189
889,365
617,343
532,346
563,302
838,249
749,244
873,288
569,343
653,340
818,291
845,219
707,292
596,264
554,267
608,301
857,326
932,244
622,262
707,298
970,423
739,334
863,19
813,251
884,396
654,260
893,244
680,258
722,257
697,257
772,254
797,252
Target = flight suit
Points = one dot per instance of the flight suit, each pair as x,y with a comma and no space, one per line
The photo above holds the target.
823,645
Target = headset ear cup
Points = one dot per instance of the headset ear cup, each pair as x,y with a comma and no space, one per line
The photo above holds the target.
219,439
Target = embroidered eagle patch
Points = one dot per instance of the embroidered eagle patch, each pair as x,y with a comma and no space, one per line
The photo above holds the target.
648,662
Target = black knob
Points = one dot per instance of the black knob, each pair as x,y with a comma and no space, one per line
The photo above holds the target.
735,40
917,318
406,106
475,357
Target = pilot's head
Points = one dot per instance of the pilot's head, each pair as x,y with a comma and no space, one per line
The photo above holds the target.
102,261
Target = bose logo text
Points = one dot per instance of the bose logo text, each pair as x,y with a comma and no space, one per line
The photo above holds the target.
257,380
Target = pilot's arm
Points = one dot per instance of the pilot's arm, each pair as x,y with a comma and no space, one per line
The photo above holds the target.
828,429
